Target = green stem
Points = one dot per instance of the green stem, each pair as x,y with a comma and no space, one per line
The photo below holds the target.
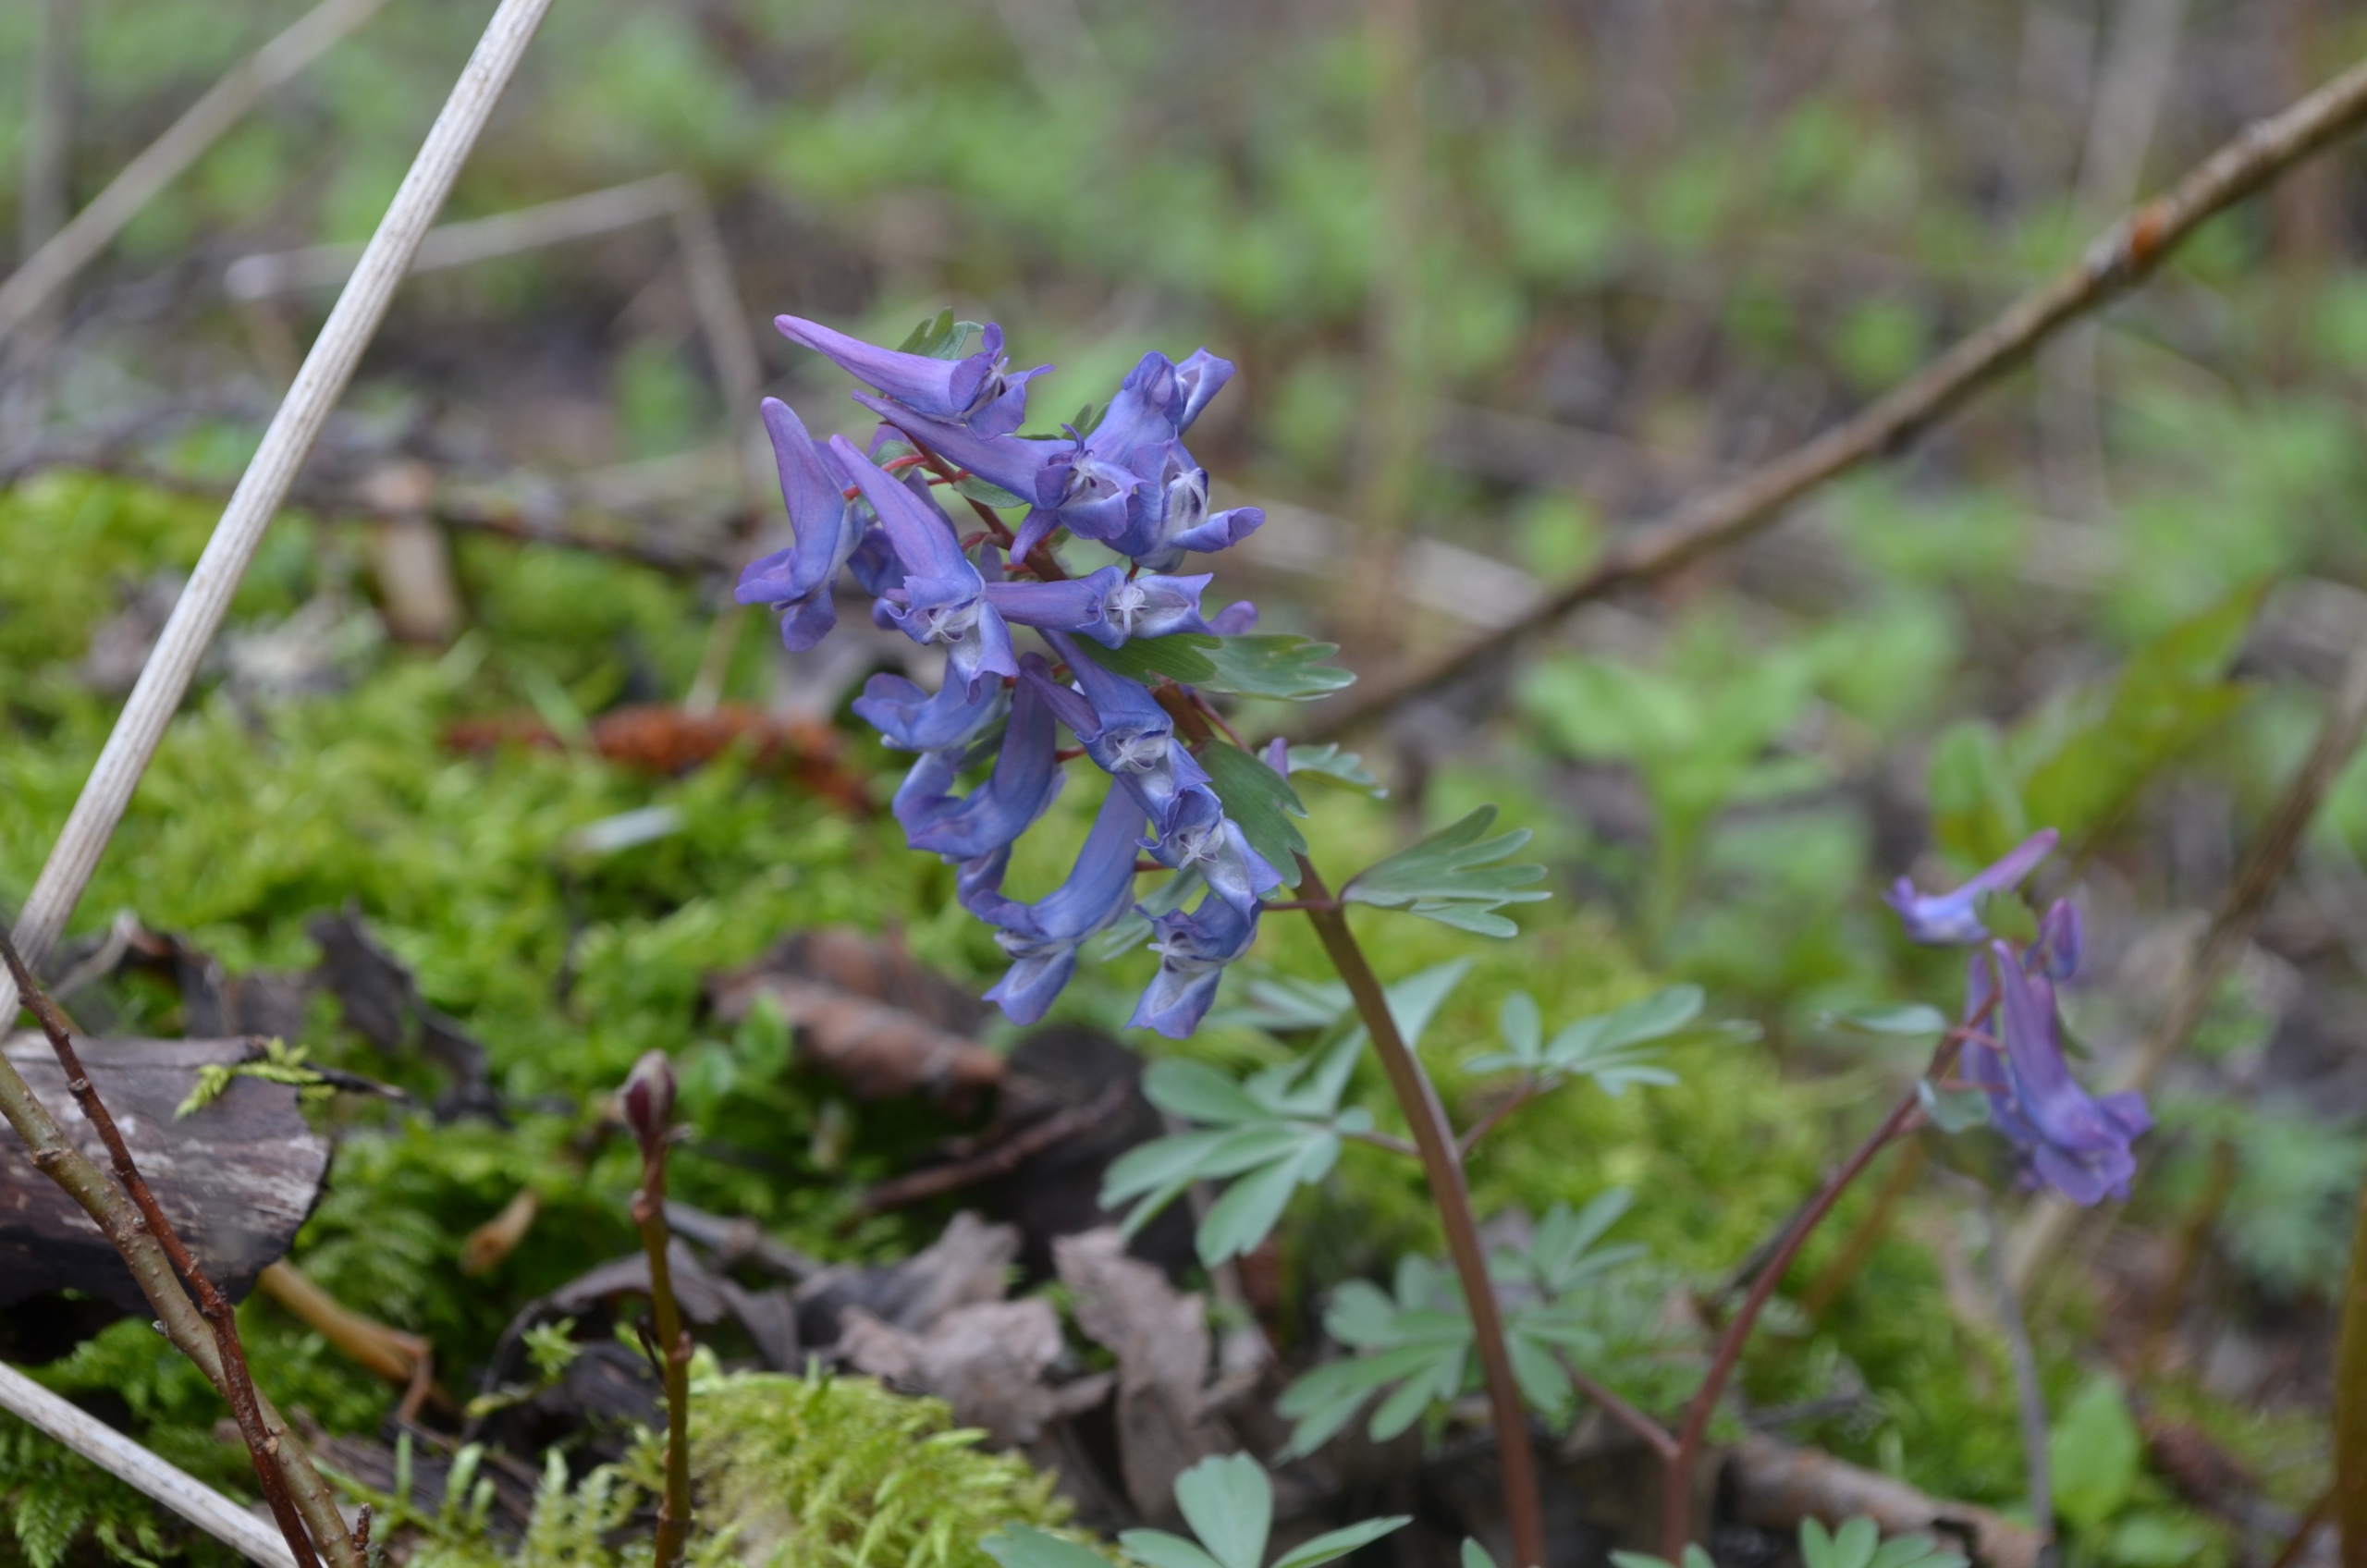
1434,1139
649,1216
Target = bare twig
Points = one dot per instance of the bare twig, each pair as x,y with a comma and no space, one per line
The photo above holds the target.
405,1360
328,368
1659,1439
2118,261
138,1467
1776,1485
2350,1401
118,1219
226,103
2048,1220
238,1383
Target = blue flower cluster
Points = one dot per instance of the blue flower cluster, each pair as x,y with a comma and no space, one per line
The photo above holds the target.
1128,484
2013,1044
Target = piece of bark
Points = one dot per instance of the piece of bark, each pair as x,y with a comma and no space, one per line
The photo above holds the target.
880,1049
382,1003
1775,1486
1166,1419
989,1360
237,1178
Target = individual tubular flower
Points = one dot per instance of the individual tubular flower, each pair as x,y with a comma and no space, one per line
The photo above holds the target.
798,581
1954,918
1149,606
914,721
1042,939
1193,951
2075,1143
1124,729
1197,835
977,391
1167,515
1025,781
945,598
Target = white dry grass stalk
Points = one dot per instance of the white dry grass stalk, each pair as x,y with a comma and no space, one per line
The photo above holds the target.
163,161
253,1538
204,600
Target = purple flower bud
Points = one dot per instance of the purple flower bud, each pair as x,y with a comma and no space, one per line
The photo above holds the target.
646,1101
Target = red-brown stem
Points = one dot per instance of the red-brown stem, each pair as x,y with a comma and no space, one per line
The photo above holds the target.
674,1342
238,1387
1677,1486
1656,1437
1525,1091
1434,1141
1200,700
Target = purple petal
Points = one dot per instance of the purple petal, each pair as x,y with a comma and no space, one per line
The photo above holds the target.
914,721
1237,619
921,535
975,389
1025,779
1193,951
1951,919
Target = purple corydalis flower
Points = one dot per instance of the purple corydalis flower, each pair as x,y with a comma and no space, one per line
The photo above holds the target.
914,721
1042,939
2073,1142
1197,836
1124,729
1954,918
1149,605
977,391
1025,781
798,581
1192,952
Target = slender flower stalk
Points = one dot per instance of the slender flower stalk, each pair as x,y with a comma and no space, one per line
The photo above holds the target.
1442,1164
647,1102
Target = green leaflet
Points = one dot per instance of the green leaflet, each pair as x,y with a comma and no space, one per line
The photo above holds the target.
1454,877
1277,664
941,336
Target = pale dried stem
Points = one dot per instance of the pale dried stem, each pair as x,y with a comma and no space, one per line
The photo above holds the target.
2117,262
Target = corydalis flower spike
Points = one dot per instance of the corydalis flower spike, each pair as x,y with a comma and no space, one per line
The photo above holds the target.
977,390
1954,918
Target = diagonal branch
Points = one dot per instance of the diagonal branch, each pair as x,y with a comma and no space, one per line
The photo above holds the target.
237,1382
2119,259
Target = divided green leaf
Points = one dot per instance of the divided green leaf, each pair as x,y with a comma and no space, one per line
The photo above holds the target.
987,493
1616,1049
1334,765
1261,802
1181,656
1278,665
1272,1132
1454,877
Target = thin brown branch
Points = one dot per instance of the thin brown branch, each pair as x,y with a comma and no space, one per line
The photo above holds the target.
237,1382
2119,259
1384,1141
1520,1095
2048,1221
1656,1437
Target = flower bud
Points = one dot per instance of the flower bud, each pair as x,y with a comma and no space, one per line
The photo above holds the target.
646,1101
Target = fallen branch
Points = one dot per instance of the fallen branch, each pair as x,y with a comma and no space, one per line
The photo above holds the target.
141,1470
226,103
2048,1221
2117,262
